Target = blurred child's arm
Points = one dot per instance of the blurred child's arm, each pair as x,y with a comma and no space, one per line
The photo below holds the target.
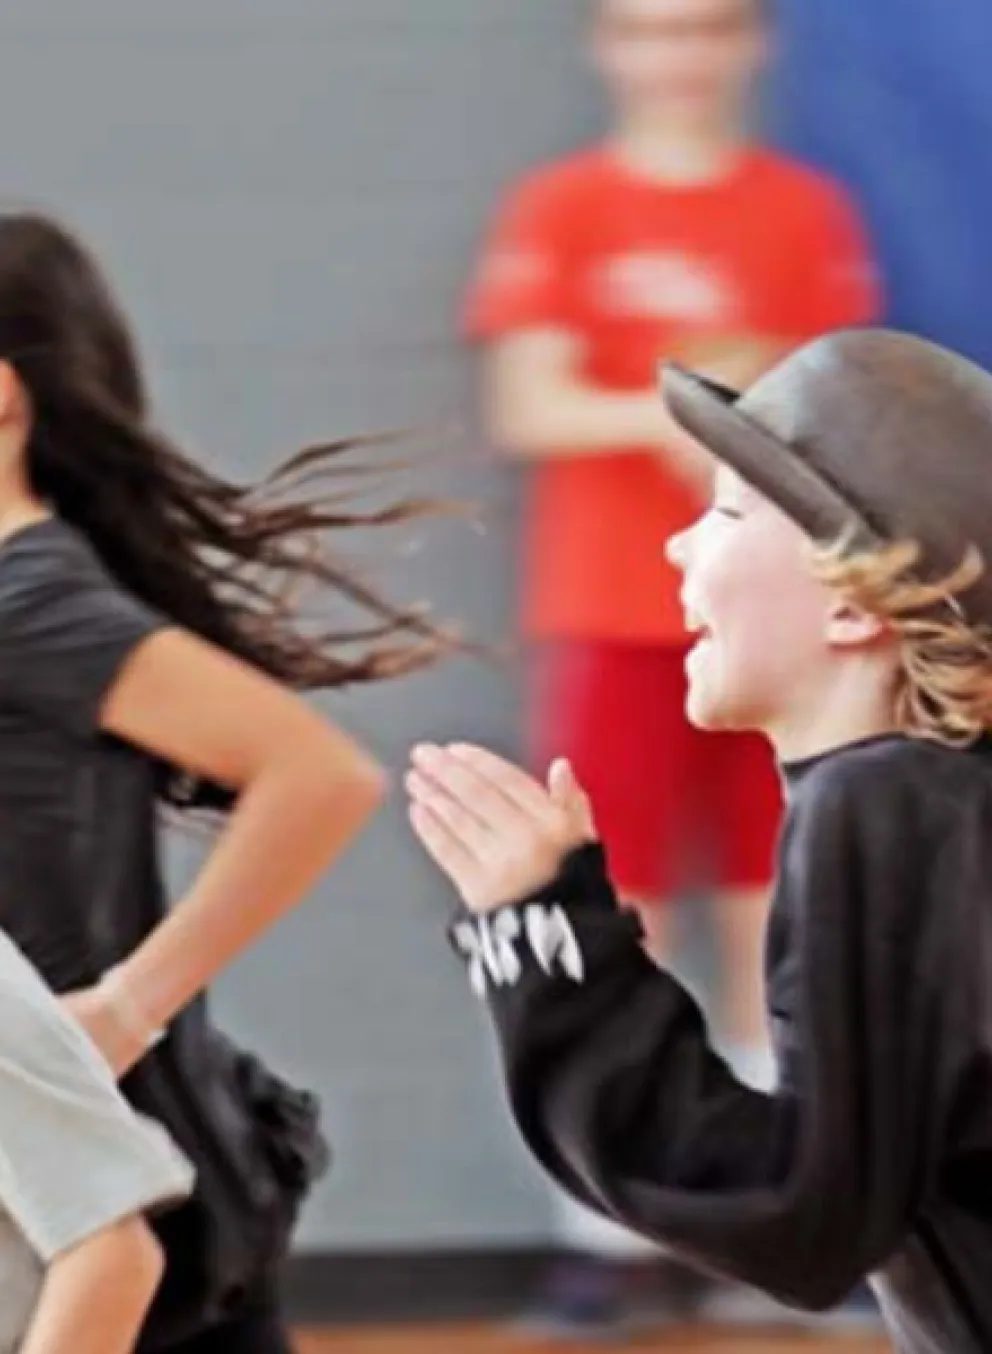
539,399
77,1166
96,1294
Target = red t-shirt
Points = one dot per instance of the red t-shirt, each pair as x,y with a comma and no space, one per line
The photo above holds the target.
632,268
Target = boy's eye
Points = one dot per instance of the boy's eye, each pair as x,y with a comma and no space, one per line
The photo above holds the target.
727,510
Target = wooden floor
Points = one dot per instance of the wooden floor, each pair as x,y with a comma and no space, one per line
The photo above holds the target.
479,1340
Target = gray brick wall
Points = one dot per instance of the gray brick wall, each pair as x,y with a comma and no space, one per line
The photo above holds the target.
288,192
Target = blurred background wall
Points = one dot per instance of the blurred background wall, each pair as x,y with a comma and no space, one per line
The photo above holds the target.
893,96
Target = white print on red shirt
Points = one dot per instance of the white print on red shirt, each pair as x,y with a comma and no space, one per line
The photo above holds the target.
666,285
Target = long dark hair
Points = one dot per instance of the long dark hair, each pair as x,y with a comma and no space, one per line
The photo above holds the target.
221,559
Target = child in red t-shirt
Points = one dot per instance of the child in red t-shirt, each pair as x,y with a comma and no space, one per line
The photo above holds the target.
675,238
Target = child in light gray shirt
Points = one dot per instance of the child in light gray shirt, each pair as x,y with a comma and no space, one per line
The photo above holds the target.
78,1168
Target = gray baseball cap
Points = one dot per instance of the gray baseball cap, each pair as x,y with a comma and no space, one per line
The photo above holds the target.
876,435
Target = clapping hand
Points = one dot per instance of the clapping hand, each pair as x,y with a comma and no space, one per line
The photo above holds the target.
496,832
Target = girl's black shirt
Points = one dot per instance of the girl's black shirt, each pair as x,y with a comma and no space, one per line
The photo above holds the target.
873,1155
77,809
80,887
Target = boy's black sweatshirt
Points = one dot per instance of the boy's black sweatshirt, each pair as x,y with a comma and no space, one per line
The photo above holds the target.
873,1155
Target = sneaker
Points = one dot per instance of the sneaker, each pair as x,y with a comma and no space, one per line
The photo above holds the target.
732,1306
858,1315
586,1299
739,1307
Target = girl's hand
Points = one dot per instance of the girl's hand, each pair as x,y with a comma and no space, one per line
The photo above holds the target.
118,1034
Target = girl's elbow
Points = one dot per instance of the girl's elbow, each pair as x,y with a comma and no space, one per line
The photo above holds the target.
369,783
340,770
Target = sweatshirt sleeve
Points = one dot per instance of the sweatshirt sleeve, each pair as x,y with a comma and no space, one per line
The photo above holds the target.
618,1092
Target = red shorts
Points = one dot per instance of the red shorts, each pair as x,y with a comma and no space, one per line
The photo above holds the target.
674,806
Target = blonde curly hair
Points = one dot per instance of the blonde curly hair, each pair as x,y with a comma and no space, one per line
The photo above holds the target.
944,690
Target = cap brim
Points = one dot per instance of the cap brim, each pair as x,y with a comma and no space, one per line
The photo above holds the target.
708,412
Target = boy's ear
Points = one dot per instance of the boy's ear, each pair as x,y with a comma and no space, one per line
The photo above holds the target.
849,626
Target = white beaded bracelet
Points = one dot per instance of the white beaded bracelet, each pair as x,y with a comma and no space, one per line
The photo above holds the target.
128,1011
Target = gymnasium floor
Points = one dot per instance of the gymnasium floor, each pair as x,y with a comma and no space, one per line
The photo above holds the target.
479,1340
